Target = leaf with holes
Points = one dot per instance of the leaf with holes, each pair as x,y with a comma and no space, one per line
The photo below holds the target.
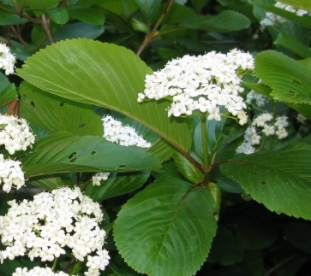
63,152
54,114
166,229
290,80
104,75
280,180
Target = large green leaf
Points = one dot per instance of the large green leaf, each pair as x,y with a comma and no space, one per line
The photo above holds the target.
290,80
280,180
166,229
301,4
302,20
293,44
105,75
53,113
117,185
226,21
63,152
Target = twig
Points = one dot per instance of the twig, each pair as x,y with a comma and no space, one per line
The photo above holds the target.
149,37
270,271
46,26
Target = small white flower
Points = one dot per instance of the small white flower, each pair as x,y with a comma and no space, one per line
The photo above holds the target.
115,132
7,60
97,178
15,134
11,174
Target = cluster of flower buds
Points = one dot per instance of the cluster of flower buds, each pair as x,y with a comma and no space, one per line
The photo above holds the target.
266,125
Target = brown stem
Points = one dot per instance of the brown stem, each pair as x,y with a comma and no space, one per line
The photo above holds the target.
18,35
46,26
270,271
149,37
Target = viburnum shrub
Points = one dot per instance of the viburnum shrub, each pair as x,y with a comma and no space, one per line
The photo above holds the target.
111,166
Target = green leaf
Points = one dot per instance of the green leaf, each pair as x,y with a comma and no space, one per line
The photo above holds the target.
300,4
302,20
8,91
139,26
293,44
149,8
225,21
198,5
226,250
122,8
53,113
7,19
170,226
93,16
105,75
162,150
37,4
187,169
304,109
117,185
63,152
59,15
50,183
280,180
78,29
260,88
289,79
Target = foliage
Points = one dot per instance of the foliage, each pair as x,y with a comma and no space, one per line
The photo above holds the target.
190,204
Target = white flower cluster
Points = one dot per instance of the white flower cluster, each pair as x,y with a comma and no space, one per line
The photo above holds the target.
15,134
11,174
115,132
272,19
52,223
203,83
7,60
259,99
97,178
37,271
263,124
